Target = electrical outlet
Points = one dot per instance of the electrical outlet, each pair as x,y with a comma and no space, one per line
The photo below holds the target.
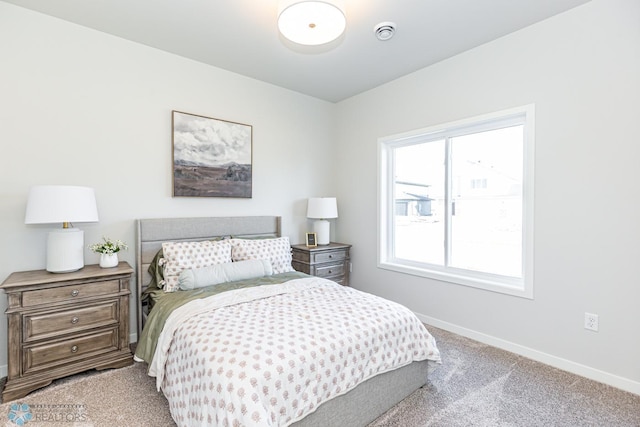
591,321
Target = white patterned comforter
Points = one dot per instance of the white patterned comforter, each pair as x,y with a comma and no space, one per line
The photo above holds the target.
271,355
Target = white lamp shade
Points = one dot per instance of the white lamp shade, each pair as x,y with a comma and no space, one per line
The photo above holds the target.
64,204
322,208
311,23
48,204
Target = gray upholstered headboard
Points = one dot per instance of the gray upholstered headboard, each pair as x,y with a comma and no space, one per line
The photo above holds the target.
151,233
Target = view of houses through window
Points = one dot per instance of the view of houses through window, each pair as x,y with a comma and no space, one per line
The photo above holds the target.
453,200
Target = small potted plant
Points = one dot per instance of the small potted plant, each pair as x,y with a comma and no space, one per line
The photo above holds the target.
108,250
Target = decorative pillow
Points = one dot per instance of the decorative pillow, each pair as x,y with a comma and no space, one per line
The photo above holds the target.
184,255
277,251
222,273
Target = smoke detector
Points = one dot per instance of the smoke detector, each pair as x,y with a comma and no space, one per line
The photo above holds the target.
384,30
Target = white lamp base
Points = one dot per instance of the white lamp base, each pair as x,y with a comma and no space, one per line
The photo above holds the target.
322,228
65,250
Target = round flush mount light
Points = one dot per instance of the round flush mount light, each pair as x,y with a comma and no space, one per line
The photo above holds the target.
384,30
311,22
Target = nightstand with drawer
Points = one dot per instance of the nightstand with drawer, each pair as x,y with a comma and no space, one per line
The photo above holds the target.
62,324
329,261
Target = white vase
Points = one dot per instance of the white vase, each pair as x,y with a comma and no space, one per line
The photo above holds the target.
108,260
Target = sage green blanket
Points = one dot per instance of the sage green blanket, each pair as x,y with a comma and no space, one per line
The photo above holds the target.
163,307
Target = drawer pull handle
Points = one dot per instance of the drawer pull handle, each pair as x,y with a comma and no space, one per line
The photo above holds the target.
75,292
74,320
74,349
330,271
330,256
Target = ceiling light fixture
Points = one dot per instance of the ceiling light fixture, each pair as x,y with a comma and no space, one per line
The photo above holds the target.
384,30
311,23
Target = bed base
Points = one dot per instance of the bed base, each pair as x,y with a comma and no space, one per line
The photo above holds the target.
369,400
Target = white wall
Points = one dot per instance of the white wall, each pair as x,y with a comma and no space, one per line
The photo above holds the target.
582,71
80,107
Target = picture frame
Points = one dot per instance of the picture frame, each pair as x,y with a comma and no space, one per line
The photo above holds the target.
211,157
311,240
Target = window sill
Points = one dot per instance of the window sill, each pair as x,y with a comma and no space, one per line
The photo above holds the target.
512,287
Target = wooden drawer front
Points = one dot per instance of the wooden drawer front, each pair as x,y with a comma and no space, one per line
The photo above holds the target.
304,268
330,270
55,353
39,326
321,257
300,256
69,293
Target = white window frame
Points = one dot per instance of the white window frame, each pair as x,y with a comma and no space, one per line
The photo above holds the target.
521,287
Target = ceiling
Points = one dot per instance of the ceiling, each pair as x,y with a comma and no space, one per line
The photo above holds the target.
242,36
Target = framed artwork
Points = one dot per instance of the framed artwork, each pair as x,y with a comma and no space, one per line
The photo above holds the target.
211,157
311,240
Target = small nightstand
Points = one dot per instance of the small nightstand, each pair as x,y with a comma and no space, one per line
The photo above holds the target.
329,261
62,324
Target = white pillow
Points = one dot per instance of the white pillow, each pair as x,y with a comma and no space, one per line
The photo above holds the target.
184,255
277,251
222,273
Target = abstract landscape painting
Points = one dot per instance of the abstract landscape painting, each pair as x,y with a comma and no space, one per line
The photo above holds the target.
211,157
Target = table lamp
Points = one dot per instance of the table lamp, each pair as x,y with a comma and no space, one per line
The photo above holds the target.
321,209
49,204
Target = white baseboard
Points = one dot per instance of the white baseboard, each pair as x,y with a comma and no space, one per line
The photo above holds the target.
548,359
133,337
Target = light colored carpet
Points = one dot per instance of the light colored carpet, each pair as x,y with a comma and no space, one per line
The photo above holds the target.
477,385
111,398
483,386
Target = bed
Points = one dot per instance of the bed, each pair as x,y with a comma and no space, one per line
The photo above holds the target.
201,327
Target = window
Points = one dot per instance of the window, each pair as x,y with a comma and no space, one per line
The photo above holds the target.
456,202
